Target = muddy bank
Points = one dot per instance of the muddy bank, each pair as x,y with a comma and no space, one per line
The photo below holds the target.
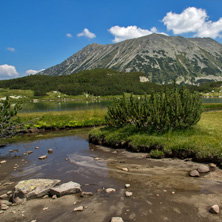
161,188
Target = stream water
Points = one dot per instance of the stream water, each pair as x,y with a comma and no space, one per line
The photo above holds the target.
162,189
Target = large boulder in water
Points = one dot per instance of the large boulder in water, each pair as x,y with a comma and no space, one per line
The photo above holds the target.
33,188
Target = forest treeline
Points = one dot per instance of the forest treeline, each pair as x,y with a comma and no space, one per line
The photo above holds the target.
98,82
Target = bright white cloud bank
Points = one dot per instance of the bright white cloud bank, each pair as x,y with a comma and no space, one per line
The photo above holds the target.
11,49
68,35
87,34
130,32
8,71
32,71
193,20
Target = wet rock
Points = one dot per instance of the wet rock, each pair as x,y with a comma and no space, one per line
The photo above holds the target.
4,196
194,173
116,219
33,188
214,209
42,157
80,208
65,188
86,194
125,169
50,150
3,161
36,147
128,194
110,190
29,152
2,145
127,185
203,169
4,207
212,165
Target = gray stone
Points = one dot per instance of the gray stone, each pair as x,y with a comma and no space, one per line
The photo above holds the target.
214,209
65,188
33,188
203,169
194,173
116,219
80,208
110,190
86,194
128,194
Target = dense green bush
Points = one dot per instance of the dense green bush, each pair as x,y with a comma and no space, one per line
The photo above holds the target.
7,125
171,109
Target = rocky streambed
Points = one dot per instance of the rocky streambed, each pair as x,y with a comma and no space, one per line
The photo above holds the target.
110,185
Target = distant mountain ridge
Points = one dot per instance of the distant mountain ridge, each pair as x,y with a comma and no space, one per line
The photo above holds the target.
162,58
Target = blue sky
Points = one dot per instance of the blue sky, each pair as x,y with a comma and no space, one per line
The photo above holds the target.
37,34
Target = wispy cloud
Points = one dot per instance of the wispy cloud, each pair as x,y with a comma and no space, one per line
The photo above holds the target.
68,35
87,34
33,72
193,20
10,49
130,32
7,71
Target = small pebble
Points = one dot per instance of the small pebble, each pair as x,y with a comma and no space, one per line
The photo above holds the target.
125,169
3,161
80,208
173,192
127,185
36,147
45,208
128,194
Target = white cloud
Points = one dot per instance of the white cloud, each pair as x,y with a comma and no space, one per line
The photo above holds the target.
130,32
33,72
10,49
193,20
87,33
8,71
68,35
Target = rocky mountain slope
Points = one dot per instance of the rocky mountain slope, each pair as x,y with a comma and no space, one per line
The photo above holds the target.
162,58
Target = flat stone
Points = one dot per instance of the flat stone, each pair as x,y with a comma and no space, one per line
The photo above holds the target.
80,208
194,173
34,188
110,190
203,169
116,219
214,209
127,185
65,188
4,207
128,194
42,157
125,169
86,194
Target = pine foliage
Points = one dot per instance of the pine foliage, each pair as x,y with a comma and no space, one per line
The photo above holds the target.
172,109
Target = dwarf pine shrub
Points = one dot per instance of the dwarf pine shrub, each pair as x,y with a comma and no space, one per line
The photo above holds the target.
168,110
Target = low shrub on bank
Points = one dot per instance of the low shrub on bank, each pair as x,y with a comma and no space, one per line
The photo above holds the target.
169,110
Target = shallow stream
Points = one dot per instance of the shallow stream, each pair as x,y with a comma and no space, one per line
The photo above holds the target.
162,189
